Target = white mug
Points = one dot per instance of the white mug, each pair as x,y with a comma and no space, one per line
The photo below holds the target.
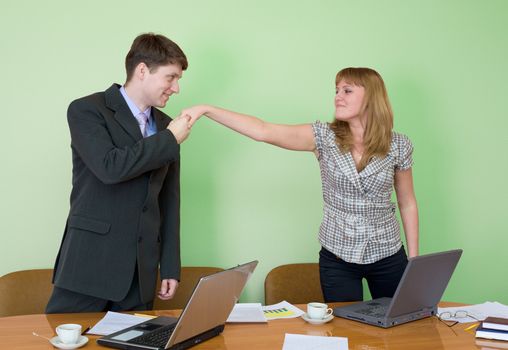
318,310
68,333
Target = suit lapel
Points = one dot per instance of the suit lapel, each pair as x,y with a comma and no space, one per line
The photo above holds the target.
123,115
345,162
160,120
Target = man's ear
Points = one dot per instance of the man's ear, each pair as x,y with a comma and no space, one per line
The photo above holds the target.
141,71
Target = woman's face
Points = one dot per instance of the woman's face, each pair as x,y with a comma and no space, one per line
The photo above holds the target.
348,101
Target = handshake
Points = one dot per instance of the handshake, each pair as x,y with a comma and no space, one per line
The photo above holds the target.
181,126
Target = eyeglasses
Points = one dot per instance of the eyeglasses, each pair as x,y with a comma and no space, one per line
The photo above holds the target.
453,316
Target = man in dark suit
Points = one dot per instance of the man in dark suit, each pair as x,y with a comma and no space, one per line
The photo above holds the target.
124,217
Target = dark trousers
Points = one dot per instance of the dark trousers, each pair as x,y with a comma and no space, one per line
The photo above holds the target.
342,281
66,301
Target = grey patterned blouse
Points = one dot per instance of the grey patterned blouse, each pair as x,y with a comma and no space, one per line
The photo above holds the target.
359,223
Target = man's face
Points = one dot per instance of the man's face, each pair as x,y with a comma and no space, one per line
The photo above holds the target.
160,83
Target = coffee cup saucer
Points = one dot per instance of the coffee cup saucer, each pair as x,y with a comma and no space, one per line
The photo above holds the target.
57,343
317,320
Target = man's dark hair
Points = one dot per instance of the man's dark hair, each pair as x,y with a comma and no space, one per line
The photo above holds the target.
154,50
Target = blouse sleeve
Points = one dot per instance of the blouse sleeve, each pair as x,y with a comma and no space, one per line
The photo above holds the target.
405,154
319,128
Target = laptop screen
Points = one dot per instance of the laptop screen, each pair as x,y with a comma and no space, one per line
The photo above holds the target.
424,281
212,301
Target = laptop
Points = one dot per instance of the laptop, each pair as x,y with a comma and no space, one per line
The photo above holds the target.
419,291
202,318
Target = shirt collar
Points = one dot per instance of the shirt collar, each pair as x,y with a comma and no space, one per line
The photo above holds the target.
132,106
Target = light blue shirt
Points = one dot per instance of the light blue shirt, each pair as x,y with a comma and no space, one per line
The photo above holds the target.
151,128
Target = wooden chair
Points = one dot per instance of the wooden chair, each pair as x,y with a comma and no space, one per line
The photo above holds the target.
25,292
295,283
189,277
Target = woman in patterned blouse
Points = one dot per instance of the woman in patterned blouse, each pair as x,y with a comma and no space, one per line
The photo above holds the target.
361,161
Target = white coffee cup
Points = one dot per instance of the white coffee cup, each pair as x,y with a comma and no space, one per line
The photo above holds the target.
318,310
69,333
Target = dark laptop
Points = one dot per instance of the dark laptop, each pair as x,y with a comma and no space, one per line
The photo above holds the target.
202,318
419,291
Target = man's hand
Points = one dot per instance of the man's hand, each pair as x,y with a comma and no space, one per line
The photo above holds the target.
168,289
180,127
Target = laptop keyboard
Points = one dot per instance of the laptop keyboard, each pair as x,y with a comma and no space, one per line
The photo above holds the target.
376,311
157,338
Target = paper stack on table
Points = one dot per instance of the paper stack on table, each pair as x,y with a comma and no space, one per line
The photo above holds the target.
281,310
478,311
247,312
311,342
113,322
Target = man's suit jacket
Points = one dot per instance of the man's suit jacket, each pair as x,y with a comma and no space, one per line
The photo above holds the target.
125,201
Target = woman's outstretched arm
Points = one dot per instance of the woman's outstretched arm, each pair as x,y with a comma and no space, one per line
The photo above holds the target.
292,137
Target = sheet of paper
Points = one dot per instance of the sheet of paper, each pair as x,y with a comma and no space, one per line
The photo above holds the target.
114,321
247,312
281,310
479,311
312,342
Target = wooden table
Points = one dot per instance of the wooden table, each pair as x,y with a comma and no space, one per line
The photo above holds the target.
429,333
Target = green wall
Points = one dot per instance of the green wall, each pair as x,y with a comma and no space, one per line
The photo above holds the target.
444,63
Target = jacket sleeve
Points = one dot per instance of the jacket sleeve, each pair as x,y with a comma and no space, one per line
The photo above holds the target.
92,140
169,199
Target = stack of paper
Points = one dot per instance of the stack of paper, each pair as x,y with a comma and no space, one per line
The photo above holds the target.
311,342
247,312
113,322
281,310
478,311
254,312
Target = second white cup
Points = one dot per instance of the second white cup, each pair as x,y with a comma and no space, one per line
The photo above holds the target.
318,310
69,333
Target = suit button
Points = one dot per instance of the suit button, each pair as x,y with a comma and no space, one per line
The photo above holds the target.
140,239
145,208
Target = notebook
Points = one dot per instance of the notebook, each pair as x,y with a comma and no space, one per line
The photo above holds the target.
419,291
202,318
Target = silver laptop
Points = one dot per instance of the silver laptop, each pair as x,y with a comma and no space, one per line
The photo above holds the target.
202,318
419,291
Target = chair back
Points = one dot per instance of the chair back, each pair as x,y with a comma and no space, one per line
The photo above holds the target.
189,277
295,283
28,291
25,292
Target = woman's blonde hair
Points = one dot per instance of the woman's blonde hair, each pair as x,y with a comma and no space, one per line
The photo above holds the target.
376,106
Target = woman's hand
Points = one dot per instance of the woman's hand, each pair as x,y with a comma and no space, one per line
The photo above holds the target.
195,112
